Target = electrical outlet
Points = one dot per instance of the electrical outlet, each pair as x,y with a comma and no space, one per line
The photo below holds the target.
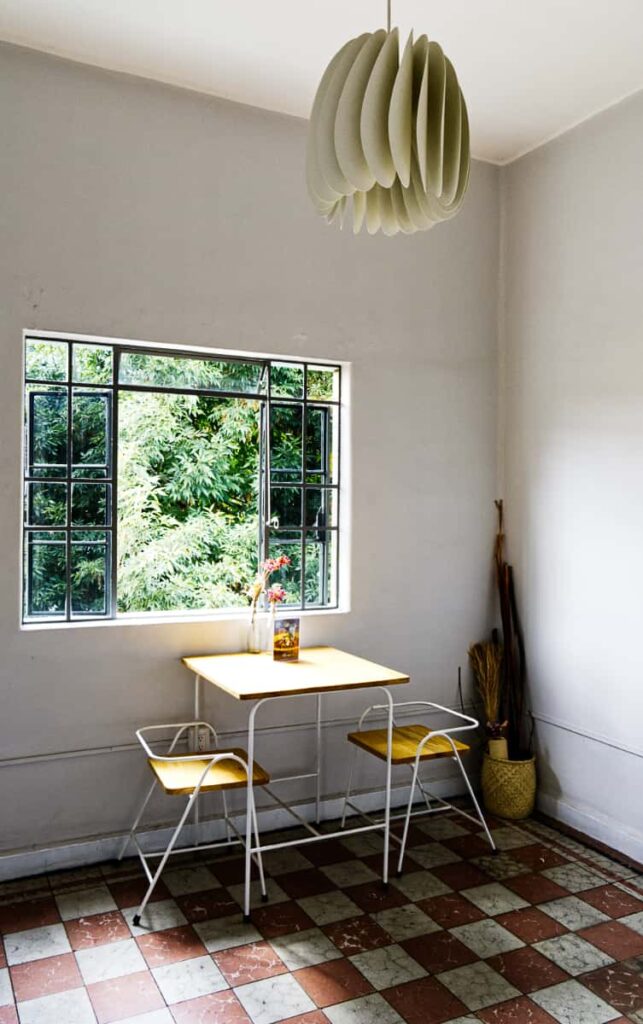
202,739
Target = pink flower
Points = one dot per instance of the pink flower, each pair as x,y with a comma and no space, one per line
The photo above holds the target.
276,594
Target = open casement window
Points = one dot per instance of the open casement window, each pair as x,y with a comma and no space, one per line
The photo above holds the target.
157,480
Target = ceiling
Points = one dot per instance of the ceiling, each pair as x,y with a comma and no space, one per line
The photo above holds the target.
529,70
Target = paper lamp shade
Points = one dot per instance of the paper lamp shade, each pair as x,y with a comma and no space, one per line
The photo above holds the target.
390,133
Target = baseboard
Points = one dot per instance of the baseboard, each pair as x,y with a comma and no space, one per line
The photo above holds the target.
21,863
599,826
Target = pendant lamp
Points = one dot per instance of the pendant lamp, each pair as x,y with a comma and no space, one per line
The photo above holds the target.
390,133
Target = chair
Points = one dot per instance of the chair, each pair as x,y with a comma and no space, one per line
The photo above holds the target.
191,774
412,745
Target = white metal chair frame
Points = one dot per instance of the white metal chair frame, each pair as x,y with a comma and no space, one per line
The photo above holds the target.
443,805
212,759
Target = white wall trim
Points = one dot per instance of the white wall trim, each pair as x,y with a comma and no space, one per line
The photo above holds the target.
21,863
607,741
607,830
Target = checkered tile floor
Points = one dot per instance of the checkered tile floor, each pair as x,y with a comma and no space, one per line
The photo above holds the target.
545,932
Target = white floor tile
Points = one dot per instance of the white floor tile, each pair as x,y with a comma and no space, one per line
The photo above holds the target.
573,954
274,999
573,913
71,1007
329,907
114,960
405,922
36,944
274,893
634,921
442,828
156,917
226,932
281,862
189,979
181,881
421,885
6,991
494,898
569,1003
154,1017
305,949
85,902
487,938
349,872
574,877
478,986
433,855
387,966
367,1010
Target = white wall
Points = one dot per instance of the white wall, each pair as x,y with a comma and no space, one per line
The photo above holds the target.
573,361
134,210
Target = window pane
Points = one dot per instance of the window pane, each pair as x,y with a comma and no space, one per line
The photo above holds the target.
45,574
321,439
321,508
90,504
320,570
92,364
286,380
203,374
188,522
46,360
47,426
285,506
90,572
46,504
90,434
288,543
323,383
286,424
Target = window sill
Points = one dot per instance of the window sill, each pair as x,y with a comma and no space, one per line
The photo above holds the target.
171,618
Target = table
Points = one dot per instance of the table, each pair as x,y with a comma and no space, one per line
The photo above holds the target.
257,678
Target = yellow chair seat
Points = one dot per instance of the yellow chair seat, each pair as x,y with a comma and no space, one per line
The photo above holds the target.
182,777
405,744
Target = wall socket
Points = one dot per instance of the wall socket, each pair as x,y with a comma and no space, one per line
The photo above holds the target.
202,739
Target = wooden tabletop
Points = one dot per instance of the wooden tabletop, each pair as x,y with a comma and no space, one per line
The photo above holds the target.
318,670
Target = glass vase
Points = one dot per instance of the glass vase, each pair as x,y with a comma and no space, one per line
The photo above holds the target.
255,640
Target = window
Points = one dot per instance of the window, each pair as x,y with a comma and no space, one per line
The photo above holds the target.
156,480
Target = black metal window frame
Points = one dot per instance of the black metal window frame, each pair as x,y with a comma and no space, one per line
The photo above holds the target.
270,531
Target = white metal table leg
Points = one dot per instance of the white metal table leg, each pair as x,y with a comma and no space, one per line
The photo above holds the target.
250,811
387,805
319,760
195,747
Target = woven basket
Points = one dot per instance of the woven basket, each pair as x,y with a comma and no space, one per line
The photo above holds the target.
509,787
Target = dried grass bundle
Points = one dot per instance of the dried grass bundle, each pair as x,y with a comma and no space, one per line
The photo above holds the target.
486,662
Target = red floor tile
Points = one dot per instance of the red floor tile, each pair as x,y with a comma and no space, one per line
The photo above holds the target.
461,876
253,962
538,857
516,1011
3,959
170,946
527,969
333,982
17,917
204,906
615,939
232,872
468,846
531,925
439,952
451,910
425,1001
536,888
310,882
612,901
130,893
217,1008
8,1015
372,896
357,935
321,854
45,977
97,930
128,996
281,919
620,985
